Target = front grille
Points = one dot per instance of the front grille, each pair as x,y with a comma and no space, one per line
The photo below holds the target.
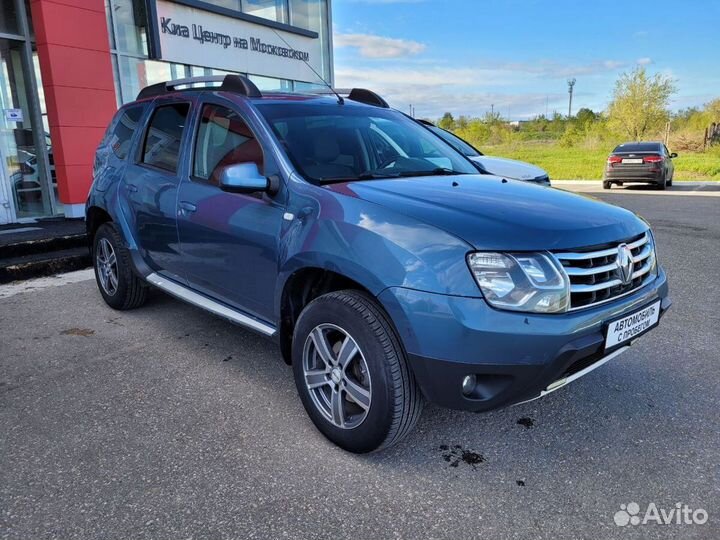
594,274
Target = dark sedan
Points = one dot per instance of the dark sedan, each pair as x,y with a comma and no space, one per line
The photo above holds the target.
640,162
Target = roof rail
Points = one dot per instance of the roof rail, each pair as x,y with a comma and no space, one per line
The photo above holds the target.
368,97
361,95
228,83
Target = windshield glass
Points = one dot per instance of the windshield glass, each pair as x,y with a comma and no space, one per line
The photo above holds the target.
456,142
328,142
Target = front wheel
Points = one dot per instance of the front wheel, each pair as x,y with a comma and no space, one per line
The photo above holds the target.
607,185
351,373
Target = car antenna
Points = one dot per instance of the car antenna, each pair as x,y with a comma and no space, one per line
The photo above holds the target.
340,99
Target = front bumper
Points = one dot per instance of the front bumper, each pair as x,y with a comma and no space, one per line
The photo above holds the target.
515,356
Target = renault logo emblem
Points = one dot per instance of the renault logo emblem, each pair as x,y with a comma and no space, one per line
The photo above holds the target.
625,263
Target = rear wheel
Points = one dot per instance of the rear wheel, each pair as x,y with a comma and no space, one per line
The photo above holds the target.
607,185
670,181
661,185
351,373
119,286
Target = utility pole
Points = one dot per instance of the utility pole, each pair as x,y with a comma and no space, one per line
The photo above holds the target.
492,110
571,85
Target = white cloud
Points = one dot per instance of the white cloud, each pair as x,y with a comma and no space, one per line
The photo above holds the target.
434,88
613,64
372,46
644,61
434,91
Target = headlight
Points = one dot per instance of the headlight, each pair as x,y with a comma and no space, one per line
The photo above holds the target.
533,282
653,254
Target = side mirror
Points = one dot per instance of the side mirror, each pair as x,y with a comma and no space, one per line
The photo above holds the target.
673,155
243,178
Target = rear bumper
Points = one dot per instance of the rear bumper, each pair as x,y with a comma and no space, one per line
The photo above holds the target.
514,356
634,173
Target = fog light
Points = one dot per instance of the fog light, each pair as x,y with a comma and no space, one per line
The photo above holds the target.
468,384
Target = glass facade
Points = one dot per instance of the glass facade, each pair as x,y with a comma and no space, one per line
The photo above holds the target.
28,187
127,24
8,18
27,179
275,10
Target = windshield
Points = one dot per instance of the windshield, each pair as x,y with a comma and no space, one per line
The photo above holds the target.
456,142
328,142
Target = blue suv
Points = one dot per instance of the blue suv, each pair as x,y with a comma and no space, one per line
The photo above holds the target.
386,268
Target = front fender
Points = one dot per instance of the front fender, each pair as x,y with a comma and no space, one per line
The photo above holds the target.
371,245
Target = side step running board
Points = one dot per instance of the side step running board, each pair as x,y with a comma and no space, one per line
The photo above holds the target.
190,296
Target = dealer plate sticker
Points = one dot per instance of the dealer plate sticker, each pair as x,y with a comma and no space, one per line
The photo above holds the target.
631,326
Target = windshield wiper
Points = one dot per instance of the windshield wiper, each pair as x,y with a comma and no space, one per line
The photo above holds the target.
440,171
363,176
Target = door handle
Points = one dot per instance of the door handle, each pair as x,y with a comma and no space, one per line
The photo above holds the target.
187,207
132,188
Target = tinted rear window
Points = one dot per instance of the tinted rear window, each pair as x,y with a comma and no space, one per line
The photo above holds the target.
121,135
638,147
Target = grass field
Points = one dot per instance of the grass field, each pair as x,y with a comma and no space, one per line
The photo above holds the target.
580,163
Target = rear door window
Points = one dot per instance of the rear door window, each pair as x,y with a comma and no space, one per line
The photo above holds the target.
163,139
121,136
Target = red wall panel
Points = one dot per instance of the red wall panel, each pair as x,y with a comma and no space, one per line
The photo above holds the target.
74,51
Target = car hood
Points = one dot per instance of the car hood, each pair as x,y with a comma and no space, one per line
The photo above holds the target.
509,168
489,212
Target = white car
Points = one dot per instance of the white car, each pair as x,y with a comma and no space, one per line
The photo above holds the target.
507,168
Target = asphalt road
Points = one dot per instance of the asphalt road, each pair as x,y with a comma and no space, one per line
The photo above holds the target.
166,422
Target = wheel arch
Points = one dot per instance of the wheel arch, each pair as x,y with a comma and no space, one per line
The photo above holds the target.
95,217
300,288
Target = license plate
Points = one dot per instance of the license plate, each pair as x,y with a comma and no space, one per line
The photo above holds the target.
631,326
632,161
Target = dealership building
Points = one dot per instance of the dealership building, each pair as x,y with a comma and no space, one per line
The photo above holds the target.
66,65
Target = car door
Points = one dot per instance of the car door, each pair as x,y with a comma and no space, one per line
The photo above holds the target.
150,185
229,241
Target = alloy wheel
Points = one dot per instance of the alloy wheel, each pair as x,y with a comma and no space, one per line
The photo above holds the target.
106,264
337,376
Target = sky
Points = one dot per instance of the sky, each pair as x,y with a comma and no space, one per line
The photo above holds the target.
468,56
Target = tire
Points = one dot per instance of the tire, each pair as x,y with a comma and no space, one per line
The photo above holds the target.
607,185
661,185
126,290
669,182
393,402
